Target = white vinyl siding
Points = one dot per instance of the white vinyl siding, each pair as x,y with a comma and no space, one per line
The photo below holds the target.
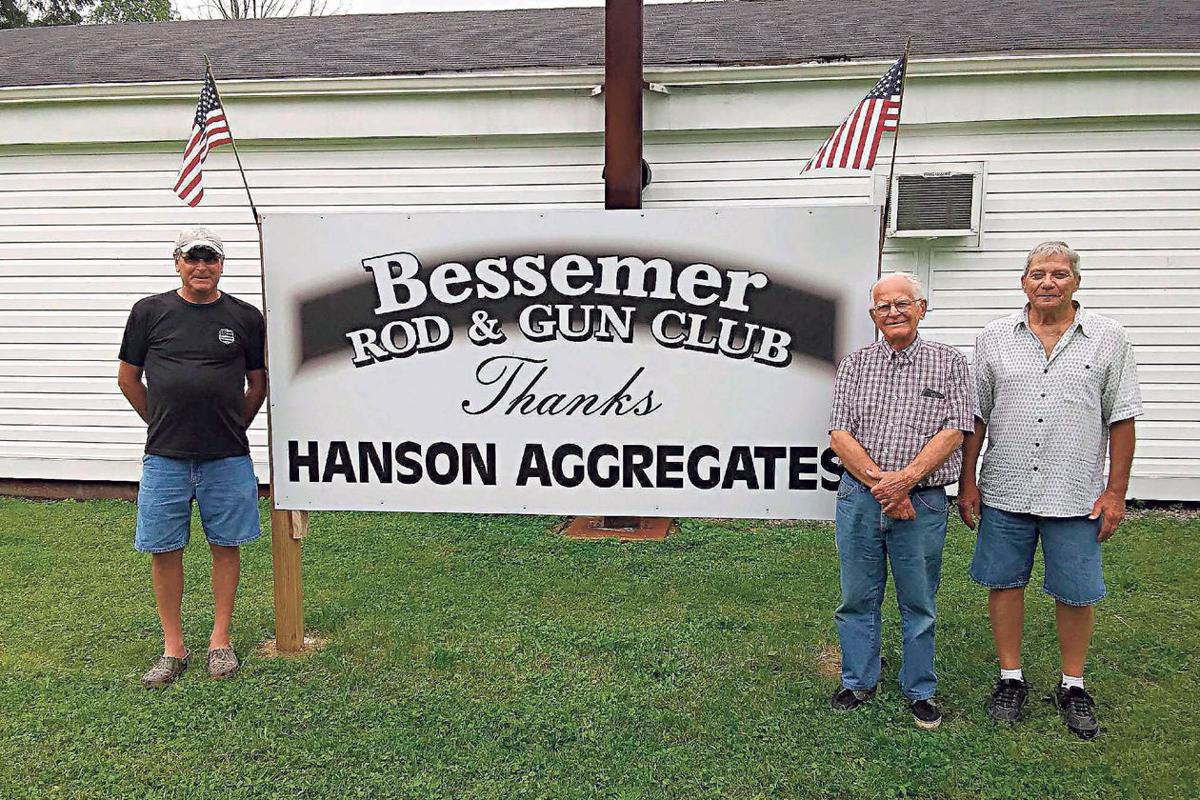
86,230
1127,197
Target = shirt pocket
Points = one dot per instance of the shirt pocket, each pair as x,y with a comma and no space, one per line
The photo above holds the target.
1083,382
923,414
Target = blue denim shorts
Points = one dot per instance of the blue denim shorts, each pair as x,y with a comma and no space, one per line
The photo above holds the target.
225,489
1006,543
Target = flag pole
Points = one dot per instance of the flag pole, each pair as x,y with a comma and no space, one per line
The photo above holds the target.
233,141
887,196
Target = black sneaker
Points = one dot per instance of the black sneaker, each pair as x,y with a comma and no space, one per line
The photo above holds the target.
1076,707
849,699
1008,700
926,714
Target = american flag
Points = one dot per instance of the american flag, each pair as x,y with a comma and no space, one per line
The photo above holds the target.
856,141
209,130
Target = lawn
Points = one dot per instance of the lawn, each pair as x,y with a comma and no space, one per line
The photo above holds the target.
486,657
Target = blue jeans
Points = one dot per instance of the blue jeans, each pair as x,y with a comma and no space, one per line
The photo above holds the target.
224,488
866,540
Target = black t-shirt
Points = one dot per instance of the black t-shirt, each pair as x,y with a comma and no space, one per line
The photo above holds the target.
195,358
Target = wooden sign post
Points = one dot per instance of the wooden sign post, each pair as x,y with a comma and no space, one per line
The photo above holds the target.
287,529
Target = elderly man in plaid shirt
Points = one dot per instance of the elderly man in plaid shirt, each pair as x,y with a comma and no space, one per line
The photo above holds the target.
900,409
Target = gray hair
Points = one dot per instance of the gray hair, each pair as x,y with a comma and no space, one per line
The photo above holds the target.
918,291
1050,250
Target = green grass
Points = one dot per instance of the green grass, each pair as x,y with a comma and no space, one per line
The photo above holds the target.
485,657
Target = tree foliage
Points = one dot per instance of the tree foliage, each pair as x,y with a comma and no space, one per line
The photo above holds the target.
12,15
107,11
27,13
22,13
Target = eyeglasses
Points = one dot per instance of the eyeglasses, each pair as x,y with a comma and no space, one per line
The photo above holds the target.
201,254
901,306
1058,275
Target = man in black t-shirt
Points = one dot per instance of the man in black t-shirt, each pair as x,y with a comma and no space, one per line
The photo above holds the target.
202,353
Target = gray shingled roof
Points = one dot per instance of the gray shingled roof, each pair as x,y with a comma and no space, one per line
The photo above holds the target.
724,33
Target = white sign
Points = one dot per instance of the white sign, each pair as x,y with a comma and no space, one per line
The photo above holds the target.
668,362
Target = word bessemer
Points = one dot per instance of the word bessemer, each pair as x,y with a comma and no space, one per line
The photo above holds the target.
402,285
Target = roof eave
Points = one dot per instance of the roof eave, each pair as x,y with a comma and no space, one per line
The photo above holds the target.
586,79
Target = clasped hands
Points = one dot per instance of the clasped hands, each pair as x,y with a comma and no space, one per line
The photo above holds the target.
891,490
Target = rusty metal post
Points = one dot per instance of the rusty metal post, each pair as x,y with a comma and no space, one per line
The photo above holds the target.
622,127
623,104
623,83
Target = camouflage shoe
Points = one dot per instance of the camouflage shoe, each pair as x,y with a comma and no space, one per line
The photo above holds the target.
222,663
165,670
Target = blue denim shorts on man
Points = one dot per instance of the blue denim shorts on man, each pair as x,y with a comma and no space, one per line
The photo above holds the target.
868,541
225,489
1006,543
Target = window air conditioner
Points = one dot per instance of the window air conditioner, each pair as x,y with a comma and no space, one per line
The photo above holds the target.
935,204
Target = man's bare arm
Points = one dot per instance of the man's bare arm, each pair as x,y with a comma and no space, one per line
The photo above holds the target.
129,379
969,502
256,393
934,454
1111,503
893,485
854,457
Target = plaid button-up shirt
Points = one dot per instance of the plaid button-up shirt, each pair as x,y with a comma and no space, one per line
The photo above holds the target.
1048,418
893,402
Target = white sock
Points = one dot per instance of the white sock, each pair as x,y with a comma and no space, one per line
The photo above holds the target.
1012,674
1069,680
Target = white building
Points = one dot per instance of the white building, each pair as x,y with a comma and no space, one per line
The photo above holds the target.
1066,125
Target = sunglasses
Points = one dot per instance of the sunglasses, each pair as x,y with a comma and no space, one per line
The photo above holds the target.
202,254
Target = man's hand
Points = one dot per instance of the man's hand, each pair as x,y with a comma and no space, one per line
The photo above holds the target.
900,509
1110,507
892,487
968,503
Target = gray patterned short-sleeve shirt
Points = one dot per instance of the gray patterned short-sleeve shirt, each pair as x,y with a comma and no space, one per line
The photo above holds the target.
893,402
1048,418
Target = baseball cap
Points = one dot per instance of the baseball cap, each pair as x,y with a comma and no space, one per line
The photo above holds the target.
199,236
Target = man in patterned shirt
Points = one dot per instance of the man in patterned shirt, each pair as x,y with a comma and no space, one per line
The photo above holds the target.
1057,386
900,407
